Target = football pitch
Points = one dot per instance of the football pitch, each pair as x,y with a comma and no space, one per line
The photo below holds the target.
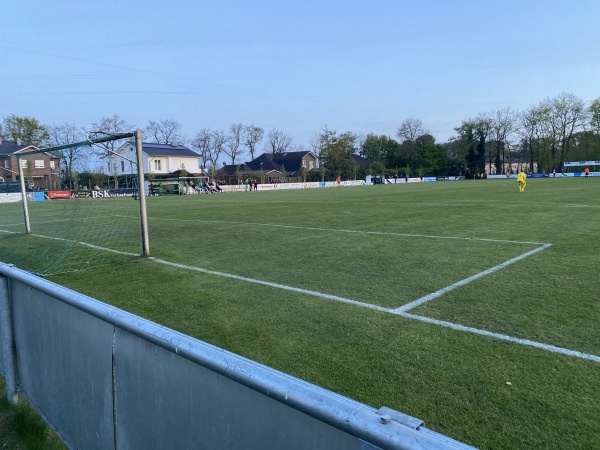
465,304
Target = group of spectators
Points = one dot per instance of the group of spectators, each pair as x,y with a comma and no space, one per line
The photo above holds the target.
188,187
250,184
201,188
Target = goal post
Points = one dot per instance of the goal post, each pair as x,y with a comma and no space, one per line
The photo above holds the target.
142,193
70,227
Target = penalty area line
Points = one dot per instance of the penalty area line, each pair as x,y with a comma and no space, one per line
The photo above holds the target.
270,284
454,326
436,294
504,337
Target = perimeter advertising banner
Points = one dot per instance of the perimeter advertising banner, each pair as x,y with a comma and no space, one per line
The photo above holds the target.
101,193
581,163
52,195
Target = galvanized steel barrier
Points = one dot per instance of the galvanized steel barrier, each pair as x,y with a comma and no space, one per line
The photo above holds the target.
106,379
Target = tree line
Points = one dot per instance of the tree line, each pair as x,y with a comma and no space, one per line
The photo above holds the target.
540,138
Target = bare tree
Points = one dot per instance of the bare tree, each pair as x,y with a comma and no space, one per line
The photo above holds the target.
164,132
233,147
73,158
217,144
410,129
278,141
594,118
559,118
530,133
252,136
503,125
202,143
107,126
569,114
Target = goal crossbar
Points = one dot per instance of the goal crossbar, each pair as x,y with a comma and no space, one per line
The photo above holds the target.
112,137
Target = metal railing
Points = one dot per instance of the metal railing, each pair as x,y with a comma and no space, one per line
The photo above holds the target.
103,378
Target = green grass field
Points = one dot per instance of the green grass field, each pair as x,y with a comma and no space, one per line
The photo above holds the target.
313,283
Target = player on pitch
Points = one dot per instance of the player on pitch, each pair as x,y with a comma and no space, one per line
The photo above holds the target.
521,180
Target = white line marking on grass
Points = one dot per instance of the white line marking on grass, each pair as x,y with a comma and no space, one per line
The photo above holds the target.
85,244
270,284
338,230
436,294
504,337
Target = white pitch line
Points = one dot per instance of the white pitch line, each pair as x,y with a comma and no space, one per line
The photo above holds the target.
270,284
340,230
436,294
505,337
86,244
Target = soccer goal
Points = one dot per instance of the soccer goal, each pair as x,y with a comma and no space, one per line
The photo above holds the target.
69,215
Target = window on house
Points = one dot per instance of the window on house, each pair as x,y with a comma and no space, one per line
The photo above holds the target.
157,164
122,166
39,164
24,163
7,163
52,165
108,167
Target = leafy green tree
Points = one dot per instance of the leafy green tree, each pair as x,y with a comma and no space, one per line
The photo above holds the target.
467,145
408,153
594,111
323,172
382,149
335,150
283,174
373,148
304,173
377,168
434,157
594,122
27,129
348,169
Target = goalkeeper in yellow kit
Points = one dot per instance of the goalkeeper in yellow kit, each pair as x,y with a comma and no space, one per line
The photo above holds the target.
521,181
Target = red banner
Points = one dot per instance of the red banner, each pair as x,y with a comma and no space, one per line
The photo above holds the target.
59,194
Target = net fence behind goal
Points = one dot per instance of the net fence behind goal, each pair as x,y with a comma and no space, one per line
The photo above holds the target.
82,219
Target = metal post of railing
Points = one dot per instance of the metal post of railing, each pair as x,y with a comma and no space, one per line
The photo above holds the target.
7,342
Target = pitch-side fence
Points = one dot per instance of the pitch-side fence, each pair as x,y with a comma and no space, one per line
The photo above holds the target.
106,379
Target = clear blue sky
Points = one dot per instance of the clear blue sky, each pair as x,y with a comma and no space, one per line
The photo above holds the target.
295,66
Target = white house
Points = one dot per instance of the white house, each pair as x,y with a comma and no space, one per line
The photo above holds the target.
158,159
